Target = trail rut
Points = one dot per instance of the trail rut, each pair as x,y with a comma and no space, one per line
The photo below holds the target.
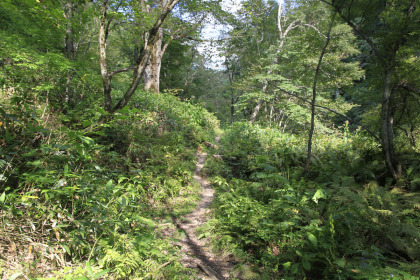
195,252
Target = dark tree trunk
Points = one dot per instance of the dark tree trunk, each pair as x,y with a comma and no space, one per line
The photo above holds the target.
311,130
387,132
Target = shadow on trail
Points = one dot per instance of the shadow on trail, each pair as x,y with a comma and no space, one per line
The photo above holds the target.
195,250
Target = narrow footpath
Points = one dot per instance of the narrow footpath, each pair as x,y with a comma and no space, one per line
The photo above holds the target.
195,252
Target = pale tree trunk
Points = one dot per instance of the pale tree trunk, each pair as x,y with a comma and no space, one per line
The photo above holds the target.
69,43
387,134
258,106
190,77
231,75
318,67
70,74
152,71
152,37
69,46
103,36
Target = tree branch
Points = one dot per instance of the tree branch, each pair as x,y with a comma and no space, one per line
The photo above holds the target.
112,73
332,111
314,28
145,55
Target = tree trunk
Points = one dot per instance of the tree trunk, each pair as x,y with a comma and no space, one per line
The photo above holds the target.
283,35
387,133
153,36
311,130
70,74
259,102
231,75
69,42
152,71
256,110
106,79
232,109
387,61
69,48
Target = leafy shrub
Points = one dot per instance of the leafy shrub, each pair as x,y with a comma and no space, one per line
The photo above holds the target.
338,223
89,191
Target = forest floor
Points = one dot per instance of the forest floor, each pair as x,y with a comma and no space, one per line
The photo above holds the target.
195,252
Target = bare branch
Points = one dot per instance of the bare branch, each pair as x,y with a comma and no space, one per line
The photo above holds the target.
316,29
112,73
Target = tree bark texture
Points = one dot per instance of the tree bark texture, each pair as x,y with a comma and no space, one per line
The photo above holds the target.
106,79
258,106
387,121
152,70
69,43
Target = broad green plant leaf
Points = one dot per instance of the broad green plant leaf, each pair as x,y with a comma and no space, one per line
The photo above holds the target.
313,239
319,194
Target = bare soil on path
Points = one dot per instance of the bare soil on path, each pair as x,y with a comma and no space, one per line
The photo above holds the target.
195,252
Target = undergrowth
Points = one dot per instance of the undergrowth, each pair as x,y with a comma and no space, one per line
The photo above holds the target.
341,221
82,198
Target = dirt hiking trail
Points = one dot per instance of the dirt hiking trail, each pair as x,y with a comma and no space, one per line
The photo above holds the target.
195,253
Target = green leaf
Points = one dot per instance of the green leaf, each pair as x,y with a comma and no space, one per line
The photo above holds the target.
35,163
123,201
319,194
87,140
306,264
100,274
204,235
286,265
313,239
66,248
261,175
102,111
89,269
126,109
341,263
86,123
3,197
146,221
16,275
109,184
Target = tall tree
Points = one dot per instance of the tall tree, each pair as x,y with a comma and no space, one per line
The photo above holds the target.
176,29
284,26
388,27
151,37
317,72
79,32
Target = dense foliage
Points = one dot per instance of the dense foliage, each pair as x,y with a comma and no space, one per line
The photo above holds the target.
338,223
104,103
97,192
